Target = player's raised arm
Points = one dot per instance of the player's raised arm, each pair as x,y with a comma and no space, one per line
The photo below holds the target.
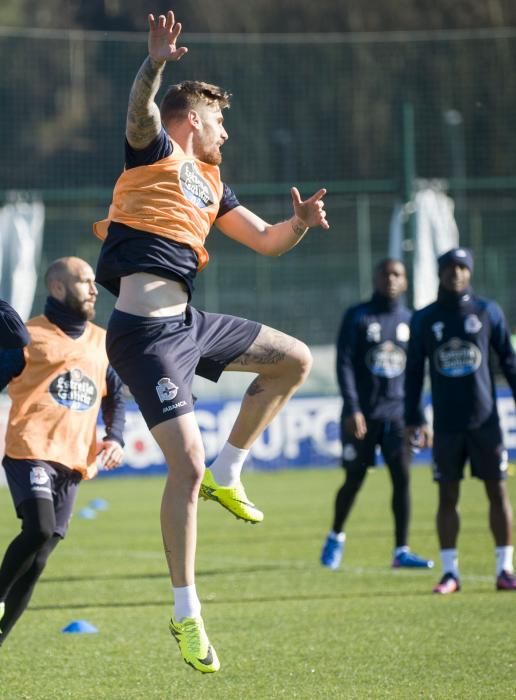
244,226
143,117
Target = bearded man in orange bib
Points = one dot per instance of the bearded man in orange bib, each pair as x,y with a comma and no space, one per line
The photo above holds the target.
164,204
57,385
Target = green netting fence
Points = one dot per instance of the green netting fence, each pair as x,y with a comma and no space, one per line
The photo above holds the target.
310,110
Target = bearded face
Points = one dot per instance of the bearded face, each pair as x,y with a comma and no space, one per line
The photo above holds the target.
82,304
209,139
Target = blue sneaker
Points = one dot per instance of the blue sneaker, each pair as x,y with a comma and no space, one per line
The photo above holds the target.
409,560
331,554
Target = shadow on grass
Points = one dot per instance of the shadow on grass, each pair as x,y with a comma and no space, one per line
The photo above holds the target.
294,598
163,574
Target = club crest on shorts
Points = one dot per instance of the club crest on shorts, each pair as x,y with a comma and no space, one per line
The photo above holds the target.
166,389
38,476
349,452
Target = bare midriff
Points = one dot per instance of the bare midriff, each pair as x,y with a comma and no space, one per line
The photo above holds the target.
143,294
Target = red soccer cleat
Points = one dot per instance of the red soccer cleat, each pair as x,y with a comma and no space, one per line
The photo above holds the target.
448,584
506,581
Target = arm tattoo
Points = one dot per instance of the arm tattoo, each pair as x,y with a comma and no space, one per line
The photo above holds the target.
143,117
299,229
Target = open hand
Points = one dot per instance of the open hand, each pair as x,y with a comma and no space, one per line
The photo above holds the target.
109,454
311,211
163,34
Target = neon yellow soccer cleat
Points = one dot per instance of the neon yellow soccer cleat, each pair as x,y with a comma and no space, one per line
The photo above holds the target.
194,644
232,498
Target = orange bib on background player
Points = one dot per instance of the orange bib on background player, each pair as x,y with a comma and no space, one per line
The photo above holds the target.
56,398
177,197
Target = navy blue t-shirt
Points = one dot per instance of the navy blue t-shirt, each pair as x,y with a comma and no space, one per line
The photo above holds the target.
127,250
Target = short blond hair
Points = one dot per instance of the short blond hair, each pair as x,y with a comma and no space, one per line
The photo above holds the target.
181,98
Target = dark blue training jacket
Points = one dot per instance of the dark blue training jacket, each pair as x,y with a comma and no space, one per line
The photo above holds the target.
371,357
13,333
455,334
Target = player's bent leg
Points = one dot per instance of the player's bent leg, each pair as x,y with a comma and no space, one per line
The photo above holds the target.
282,364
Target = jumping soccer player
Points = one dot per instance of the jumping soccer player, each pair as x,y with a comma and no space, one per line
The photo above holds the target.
164,204
57,385
456,333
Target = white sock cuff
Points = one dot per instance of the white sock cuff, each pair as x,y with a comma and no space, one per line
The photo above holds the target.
401,550
235,454
504,559
186,602
227,467
450,561
339,536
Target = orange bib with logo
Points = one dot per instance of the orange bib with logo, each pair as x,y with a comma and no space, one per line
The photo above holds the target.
56,398
177,197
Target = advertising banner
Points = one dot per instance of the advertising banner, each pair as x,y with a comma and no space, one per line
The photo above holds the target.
304,435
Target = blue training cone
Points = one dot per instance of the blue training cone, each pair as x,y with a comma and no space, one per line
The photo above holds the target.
98,504
80,627
87,514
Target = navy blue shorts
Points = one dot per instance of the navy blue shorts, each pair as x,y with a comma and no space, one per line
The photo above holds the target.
357,455
158,357
483,447
34,478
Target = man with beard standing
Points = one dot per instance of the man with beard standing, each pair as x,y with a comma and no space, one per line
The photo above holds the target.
57,385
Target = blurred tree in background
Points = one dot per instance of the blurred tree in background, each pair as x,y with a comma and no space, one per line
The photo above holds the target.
69,90
263,16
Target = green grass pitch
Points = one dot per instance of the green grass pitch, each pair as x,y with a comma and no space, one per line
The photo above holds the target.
283,626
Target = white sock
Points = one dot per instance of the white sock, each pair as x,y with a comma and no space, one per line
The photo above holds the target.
450,561
400,550
186,603
339,536
226,469
504,557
